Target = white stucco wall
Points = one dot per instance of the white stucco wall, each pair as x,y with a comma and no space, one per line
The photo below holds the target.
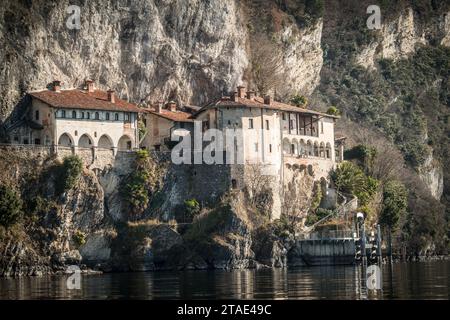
78,129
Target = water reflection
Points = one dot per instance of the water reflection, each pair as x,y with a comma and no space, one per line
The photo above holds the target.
400,281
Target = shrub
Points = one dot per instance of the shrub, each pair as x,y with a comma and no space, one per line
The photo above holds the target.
333,111
203,228
79,238
192,207
10,206
299,101
351,179
319,214
69,171
138,185
317,196
363,153
142,130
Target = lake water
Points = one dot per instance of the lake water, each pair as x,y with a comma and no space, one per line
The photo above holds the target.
414,280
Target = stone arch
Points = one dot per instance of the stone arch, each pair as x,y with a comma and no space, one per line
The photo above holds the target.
85,141
105,142
294,146
65,140
322,150
286,146
125,143
309,148
316,149
328,151
302,147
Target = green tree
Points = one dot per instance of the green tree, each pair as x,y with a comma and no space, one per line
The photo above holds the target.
395,202
349,178
139,183
333,111
10,206
299,101
70,171
364,154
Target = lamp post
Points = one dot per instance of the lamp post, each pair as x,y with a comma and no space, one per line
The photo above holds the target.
360,219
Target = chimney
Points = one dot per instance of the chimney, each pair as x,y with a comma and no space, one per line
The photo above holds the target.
268,100
234,96
111,96
57,86
159,106
90,86
172,106
241,91
251,95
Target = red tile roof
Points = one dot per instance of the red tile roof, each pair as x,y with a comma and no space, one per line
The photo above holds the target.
258,102
81,99
178,116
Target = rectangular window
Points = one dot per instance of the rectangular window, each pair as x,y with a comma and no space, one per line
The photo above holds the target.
283,116
291,124
250,123
321,126
270,148
267,125
37,115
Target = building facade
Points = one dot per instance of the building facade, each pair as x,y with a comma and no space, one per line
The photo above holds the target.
79,119
161,120
275,138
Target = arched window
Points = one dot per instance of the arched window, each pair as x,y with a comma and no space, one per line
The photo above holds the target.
107,116
97,116
85,141
63,113
125,143
322,150
116,117
309,148
316,149
88,115
286,146
328,150
65,140
74,114
105,142
82,115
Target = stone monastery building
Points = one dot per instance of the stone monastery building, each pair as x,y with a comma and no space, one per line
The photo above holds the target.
78,118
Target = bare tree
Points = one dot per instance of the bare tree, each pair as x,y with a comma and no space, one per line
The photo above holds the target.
298,196
266,64
258,188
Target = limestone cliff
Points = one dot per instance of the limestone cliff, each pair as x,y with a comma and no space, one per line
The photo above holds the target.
399,37
143,49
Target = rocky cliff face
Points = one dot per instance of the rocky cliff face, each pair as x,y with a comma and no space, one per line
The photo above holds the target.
399,37
144,49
